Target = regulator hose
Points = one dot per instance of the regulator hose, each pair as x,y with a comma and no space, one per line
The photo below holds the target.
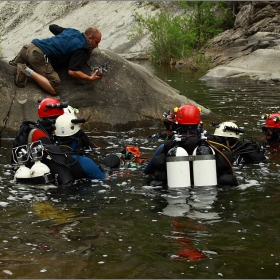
220,152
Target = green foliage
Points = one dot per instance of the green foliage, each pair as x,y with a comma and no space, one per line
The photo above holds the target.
206,19
177,36
169,35
197,62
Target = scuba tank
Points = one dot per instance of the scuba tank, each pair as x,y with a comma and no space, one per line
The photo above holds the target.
204,165
40,172
22,156
178,168
38,168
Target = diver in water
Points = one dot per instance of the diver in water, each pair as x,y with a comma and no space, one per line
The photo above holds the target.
31,132
188,124
187,134
68,134
246,151
71,139
271,129
65,169
170,126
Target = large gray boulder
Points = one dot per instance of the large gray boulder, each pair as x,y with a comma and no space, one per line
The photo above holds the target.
250,50
134,97
259,66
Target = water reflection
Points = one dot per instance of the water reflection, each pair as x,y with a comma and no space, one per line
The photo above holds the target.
195,203
177,203
201,202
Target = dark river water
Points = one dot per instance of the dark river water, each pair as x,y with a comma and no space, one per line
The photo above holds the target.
124,228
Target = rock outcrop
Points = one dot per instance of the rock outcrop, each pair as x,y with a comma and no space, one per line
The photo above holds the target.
251,50
22,21
135,98
132,98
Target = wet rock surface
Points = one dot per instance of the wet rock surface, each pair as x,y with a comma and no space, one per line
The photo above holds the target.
251,49
129,97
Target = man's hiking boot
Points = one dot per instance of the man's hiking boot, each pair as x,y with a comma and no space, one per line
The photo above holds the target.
13,62
21,78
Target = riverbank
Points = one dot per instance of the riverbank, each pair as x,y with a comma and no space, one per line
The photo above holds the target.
256,29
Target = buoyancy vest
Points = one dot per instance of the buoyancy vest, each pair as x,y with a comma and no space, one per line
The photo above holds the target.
83,166
248,152
64,43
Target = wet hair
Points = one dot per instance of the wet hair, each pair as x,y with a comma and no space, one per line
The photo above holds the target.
92,31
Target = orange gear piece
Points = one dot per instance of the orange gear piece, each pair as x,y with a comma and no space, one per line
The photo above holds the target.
133,150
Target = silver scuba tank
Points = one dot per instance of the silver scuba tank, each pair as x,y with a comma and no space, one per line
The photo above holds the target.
178,168
21,156
38,169
22,172
204,165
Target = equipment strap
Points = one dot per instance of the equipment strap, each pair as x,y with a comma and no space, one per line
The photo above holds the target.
221,153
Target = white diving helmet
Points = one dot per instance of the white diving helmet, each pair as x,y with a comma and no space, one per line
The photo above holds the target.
70,110
67,125
228,129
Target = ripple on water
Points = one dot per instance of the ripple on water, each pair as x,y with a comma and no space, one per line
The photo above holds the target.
127,212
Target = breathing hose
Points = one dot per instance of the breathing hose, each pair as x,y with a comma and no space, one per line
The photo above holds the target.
221,153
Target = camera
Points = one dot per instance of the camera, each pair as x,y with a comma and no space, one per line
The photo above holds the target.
102,70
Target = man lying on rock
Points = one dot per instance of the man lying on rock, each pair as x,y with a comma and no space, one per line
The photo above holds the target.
68,48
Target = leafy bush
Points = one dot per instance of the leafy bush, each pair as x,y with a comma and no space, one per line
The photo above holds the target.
177,36
205,19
